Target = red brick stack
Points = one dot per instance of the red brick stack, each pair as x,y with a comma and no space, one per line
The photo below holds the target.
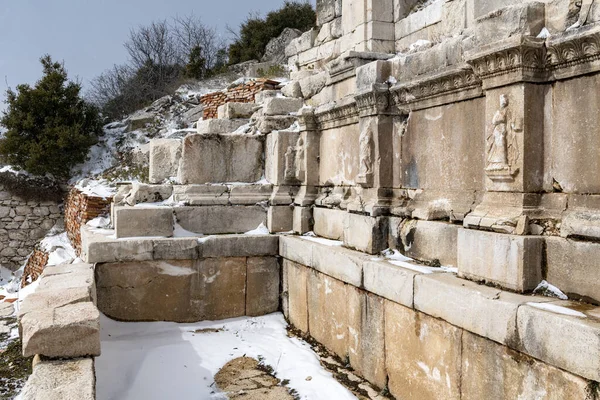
243,93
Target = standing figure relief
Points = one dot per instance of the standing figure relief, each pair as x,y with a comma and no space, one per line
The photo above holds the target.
502,146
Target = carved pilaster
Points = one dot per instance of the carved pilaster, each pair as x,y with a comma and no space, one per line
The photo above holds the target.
375,101
306,155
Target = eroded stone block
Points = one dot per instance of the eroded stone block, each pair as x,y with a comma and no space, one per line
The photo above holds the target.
212,220
236,110
66,332
219,126
164,159
423,358
514,262
280,219
143,221
175,249
365,233
263,288
282,105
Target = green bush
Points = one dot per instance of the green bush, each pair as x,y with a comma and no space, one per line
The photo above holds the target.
255,33
50,128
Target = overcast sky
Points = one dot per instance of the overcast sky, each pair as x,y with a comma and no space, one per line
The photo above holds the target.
89,34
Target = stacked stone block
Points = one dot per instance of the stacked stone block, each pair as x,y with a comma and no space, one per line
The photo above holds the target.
242,93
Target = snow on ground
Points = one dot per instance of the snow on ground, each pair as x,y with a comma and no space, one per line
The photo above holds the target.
161,360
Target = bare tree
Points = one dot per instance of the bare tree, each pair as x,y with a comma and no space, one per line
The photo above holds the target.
154,44
191,33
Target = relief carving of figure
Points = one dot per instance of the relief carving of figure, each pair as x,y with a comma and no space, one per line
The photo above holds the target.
502,147
290,164
366,153
299,160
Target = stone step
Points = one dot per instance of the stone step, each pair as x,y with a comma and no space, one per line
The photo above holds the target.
61,380
217,126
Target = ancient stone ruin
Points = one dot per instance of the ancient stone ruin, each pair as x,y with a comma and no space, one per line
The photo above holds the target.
444,153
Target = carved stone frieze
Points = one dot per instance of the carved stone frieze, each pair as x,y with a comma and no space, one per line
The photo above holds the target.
574,53
373,102
519,59
337,115
449,86
307,120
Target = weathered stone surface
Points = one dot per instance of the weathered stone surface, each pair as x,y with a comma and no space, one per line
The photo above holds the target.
260,97
97,248
65,332
201,195
526,18
514,262
297,294
571,266
483,310
272,123
389,281
313,84
279,148
366,331
219,291
282,105
236,110
292,89
239,246
275,49
143,221
175,249
303,219
212,220
262,286
329,223
415,240
580,224
562,336
67,276
6,309
328,305
338,262
142,193
164,159
219,126
296,249
492,371
146,291
280,219
221,158
423,358
365,233
54,298
61,380
249,194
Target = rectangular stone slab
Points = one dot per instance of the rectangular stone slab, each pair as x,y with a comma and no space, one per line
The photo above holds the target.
212,220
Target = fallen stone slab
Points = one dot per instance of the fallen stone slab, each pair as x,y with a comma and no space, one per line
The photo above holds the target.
65,332
282,105
61,380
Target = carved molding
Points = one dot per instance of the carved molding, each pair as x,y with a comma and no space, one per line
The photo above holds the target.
449,86
337,116
574,53
373,102
522,59
307,120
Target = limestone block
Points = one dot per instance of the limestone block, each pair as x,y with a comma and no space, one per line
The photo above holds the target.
282,105
236,110
571,266
297,294
389,281
325,11
343,142
313,84
221,158
526,18
491,371
239,246
164,159
292,89
219,292
338,262
201,195
191,116
580,224
480,309
260,97
378,71
143,221
142,193
249,194
514,262
564,334
365,233
329,223
280,219
146,290
296,249
212,220
366,329
272,123
415,238
280,157
175,249
423,357
262,286
96,248
303,43
418,20
573,113
454,17
54,298
61,380
68,277
67,332
219,126
328,305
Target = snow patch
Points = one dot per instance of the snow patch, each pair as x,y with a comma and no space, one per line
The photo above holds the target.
558,309
546,289
260,230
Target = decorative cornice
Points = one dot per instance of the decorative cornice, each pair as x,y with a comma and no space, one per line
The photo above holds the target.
432,90
574,53
518,59
307,120
375,101
337,116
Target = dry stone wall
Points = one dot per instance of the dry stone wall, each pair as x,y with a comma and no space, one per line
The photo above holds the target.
22,224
